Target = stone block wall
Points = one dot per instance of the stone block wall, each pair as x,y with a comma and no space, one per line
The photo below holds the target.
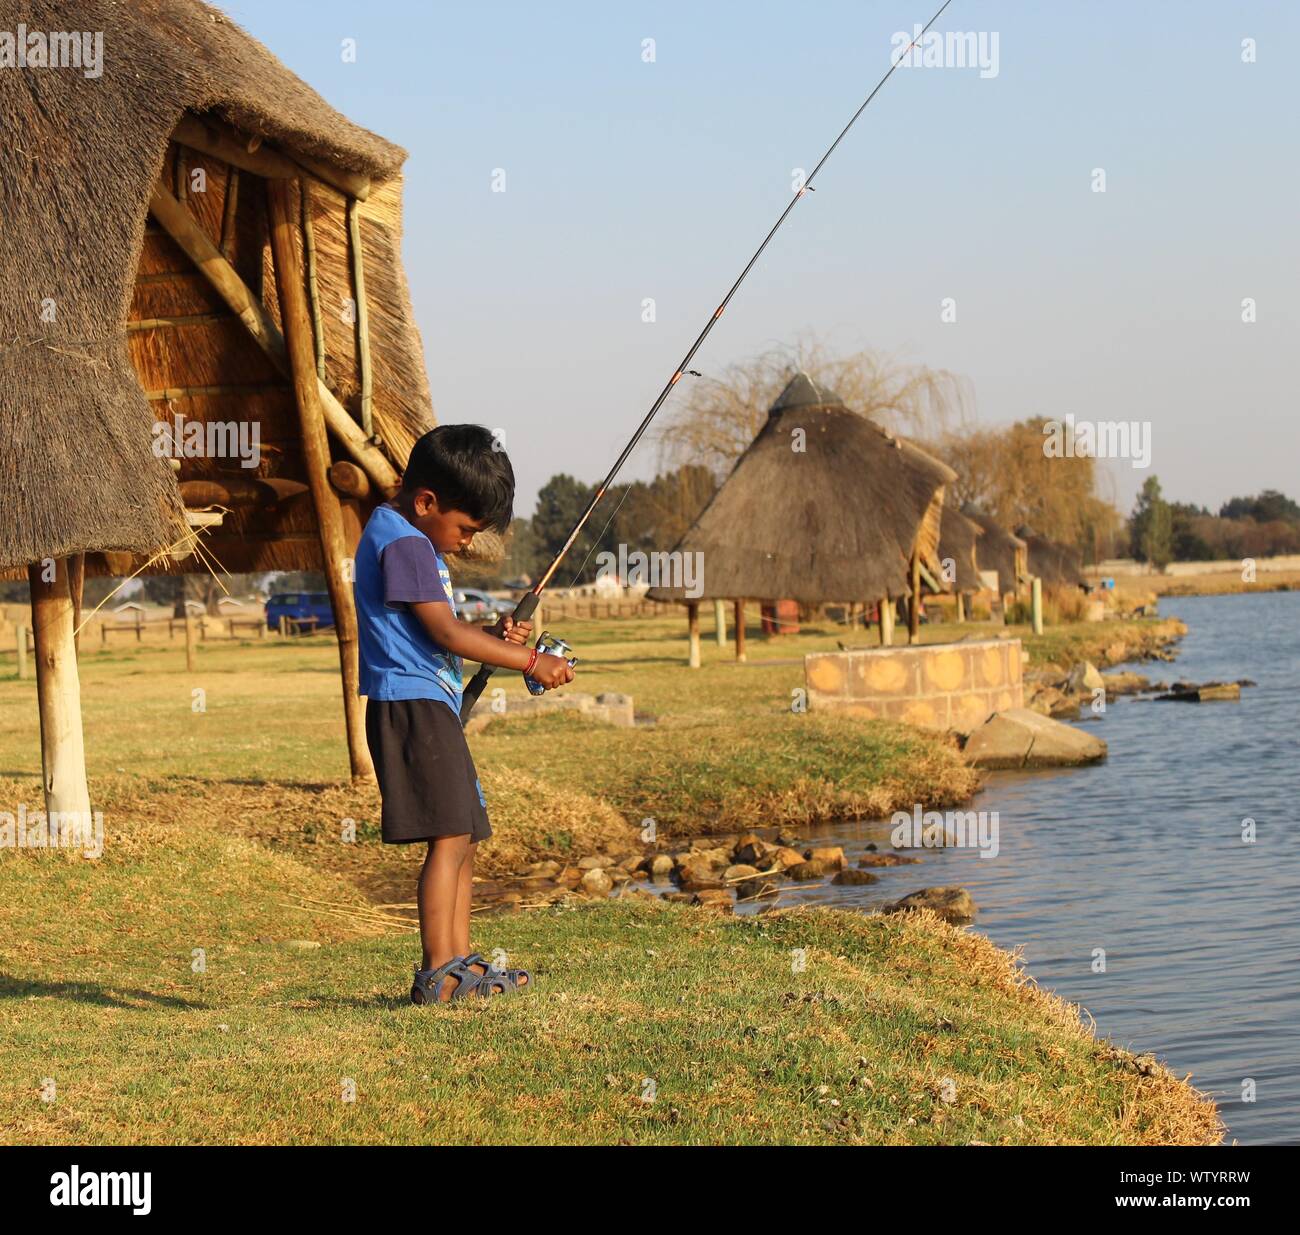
939,686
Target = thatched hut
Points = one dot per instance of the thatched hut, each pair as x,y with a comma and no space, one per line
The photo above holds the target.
824,505
959,539
1056,564
999,550
207,333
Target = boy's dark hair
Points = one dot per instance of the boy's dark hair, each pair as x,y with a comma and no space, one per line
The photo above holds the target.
468,471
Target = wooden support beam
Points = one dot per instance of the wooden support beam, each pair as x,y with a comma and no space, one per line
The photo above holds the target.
740,629
914,601
211,136
349,479
182,227
885,618
720,623
58,694
363,314
1036,605
693,631
76,586
315,443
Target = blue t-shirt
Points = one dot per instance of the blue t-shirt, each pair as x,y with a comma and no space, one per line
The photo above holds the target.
397,565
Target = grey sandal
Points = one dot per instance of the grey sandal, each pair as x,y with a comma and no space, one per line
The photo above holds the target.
511,976
429,982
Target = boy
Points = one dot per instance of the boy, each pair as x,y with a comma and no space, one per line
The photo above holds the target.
411,644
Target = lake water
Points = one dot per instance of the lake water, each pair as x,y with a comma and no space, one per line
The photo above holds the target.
1143,856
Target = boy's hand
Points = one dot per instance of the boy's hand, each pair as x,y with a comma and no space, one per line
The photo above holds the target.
505,627
551,671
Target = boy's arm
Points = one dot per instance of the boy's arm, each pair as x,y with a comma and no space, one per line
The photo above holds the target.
474,643
467,640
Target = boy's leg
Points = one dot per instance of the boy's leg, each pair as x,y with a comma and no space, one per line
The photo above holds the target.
436,895
464,898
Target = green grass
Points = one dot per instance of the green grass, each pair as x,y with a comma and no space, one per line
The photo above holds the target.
223,835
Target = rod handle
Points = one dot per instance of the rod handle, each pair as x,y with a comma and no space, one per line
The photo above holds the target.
523,611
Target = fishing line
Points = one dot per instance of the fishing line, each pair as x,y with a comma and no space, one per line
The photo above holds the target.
528,602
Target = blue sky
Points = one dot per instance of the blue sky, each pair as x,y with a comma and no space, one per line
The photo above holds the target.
627,180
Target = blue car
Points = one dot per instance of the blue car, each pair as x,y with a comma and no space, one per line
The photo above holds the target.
311,610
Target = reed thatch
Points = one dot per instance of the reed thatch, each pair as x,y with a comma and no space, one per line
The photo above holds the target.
959,543
87,366
997,549
824,505
1056,564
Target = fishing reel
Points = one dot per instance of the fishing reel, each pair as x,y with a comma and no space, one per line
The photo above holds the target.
550,645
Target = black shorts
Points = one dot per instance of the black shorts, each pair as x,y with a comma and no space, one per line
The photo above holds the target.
426,775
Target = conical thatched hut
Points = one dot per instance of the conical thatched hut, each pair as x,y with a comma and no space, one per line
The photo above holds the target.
205,323
1056,564
959,539
997,549
824,505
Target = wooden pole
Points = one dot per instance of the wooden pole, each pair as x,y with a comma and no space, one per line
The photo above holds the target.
189,640
885,617
363,313
720,623
693,627
21,633
914,602
209,136
961,607
740,629
58,694
1037,602
183,228
315,443
76,586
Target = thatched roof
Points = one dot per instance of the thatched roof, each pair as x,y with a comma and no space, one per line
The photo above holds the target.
824,505
1054,563
997,549
77,472
958,542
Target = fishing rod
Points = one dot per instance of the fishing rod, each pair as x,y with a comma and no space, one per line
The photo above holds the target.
528,603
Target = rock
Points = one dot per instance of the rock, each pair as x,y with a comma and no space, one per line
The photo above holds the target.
713,899
640,894
718,856
597,883
594,862
542,870
854,877
788,839
886,859
952,904
741,870
301,945
1085,677
679,898
832,857
661,865
751,849
1019,738
632,864
570,876
1115,652
618,874
806,870
1125,684
1189,692
784,857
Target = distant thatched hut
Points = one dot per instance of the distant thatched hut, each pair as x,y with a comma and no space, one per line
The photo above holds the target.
999,550
824,505
1056,564
959,539
205,324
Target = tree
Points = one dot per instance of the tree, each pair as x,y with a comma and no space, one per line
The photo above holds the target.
721,416
1151,528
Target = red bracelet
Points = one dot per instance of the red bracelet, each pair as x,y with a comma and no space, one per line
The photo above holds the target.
532,660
